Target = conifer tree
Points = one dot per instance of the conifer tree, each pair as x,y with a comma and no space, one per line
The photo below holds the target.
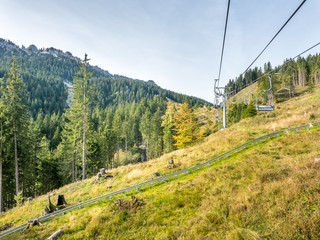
145,125
82,99
168,121
35,137
109,145
14,99
156,138
117,127
45,167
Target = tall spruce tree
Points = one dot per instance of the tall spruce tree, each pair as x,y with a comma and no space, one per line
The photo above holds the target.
14,99
81,99
168,121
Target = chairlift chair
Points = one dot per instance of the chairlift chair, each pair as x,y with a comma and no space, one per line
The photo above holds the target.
233,103
266,107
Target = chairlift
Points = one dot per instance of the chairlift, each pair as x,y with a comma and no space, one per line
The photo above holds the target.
233,102
268,93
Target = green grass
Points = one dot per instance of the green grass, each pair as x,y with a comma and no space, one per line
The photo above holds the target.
267,191
251,195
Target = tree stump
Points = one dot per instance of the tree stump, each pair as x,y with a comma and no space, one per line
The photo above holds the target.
122,204
134,202
127,205
33,222
170,164
102,171
5,227
61,201
55,235
97,178
155,175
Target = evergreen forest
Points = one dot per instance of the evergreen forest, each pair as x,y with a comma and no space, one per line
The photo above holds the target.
63,119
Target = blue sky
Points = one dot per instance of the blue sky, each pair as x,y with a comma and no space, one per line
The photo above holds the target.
176,43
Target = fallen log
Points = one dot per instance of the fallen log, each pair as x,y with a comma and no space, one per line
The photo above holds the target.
5,227
55,235
108,176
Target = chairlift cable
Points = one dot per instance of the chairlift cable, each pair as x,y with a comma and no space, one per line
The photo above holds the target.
275,36
253,81
306,51
224,39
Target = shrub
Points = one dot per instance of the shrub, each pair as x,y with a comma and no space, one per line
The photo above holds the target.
312,116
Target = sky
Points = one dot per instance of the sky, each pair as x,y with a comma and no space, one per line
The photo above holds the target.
176,43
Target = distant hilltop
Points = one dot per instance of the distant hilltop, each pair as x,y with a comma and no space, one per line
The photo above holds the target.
32,49
14,49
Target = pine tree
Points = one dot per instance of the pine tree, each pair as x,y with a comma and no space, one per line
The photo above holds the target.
168,121
145,130
117,128
156,138
109,145
35,137
45,167
14,99
82,99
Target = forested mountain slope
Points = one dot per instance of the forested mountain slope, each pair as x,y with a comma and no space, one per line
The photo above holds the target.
47,71
269,190
42,120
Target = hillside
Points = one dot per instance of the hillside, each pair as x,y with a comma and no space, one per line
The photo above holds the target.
268,191
44,113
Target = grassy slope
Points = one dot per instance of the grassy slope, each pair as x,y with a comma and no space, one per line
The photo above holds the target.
260,195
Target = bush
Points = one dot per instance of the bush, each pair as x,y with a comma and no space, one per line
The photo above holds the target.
19,198
312,116
250,111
